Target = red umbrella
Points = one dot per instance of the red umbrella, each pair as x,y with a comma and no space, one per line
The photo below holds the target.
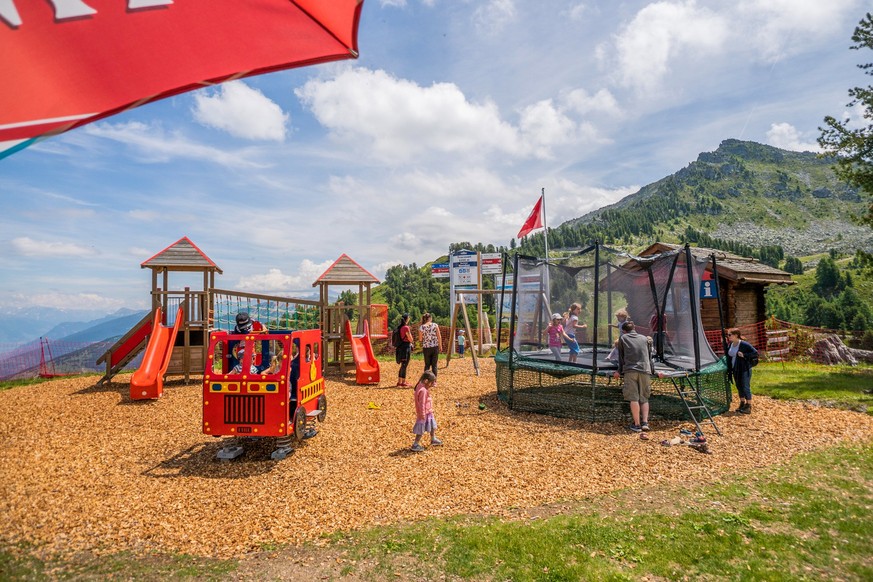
66,63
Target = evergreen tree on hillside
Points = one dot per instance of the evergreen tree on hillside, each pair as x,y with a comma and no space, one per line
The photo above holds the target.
793,265
829,282
853,146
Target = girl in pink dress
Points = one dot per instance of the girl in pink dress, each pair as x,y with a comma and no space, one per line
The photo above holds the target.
556,336
424,420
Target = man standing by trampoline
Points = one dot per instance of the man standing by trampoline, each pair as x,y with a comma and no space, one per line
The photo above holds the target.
635,365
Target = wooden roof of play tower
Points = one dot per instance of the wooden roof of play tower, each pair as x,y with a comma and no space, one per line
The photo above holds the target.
182,255
345,271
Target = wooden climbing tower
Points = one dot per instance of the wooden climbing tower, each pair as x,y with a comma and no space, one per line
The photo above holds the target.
183,256
344,272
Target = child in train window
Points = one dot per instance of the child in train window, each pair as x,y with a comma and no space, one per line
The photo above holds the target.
294,371
276,361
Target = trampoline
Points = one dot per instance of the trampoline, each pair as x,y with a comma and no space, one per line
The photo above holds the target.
661,295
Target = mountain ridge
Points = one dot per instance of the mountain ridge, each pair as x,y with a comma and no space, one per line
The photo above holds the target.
750,193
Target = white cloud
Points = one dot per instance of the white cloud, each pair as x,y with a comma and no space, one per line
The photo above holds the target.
584,103
659,33
787,137
28,247
399,119
776,27
578,11
155,146
491,17
275,281
675,36
544,126
241,111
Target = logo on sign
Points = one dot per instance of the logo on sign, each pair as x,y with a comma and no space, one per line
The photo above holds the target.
707,290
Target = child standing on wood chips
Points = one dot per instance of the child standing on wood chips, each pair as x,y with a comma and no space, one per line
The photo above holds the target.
424,420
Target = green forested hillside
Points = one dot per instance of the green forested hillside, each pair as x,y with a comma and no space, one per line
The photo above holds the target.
741,197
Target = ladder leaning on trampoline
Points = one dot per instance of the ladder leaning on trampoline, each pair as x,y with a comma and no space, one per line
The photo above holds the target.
689,394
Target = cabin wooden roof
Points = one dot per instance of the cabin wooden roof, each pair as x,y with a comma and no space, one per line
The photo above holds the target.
730,266
345,271
182,255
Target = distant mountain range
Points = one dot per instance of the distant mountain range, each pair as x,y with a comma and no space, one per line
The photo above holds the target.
26,325
744,192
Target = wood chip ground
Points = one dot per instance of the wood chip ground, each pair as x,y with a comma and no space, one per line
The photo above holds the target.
85,468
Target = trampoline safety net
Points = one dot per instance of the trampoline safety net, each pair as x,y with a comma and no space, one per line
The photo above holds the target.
660,295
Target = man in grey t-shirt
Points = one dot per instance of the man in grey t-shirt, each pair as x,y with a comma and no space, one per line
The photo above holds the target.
635,365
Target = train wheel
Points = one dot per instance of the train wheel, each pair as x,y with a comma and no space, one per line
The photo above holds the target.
322,408
299,423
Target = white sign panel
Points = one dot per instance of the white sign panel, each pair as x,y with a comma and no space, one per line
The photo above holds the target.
465,268
492,264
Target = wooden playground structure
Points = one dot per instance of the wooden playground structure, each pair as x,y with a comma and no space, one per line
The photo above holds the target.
207,309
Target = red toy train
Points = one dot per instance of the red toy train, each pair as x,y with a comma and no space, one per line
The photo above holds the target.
263,384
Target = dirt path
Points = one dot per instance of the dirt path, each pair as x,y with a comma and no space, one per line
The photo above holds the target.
85,468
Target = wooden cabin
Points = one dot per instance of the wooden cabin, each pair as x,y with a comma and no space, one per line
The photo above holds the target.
742,284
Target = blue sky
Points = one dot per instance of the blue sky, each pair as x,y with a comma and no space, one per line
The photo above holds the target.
455,116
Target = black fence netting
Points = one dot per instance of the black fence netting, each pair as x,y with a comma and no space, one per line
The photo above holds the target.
545,387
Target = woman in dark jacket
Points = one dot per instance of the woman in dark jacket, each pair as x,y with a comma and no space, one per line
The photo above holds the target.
403,349
740,353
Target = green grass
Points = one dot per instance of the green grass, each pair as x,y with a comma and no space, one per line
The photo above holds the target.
22,563
843,386
7,384
808,520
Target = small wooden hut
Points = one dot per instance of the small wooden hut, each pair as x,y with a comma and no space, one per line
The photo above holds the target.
345,273
742,284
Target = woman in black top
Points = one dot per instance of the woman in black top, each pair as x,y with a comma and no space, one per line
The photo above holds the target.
403,348
740,353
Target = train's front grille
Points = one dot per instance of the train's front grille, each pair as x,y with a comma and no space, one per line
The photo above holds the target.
243,409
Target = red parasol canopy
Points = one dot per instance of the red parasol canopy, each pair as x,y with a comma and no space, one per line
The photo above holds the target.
66,63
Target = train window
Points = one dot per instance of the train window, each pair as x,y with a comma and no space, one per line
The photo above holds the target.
308,353
219,352
315,347
275,351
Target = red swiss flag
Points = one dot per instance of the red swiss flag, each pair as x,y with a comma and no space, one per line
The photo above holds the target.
69,62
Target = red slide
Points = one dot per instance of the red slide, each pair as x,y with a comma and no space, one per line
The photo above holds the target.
148,381
366,364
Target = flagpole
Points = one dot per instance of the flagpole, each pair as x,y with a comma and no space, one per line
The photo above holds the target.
545,226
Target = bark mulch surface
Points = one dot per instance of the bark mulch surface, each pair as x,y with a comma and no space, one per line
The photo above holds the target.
84,468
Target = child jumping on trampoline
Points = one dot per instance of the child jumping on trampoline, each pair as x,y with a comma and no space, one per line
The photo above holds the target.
557,337
571,324
424,419
620,316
